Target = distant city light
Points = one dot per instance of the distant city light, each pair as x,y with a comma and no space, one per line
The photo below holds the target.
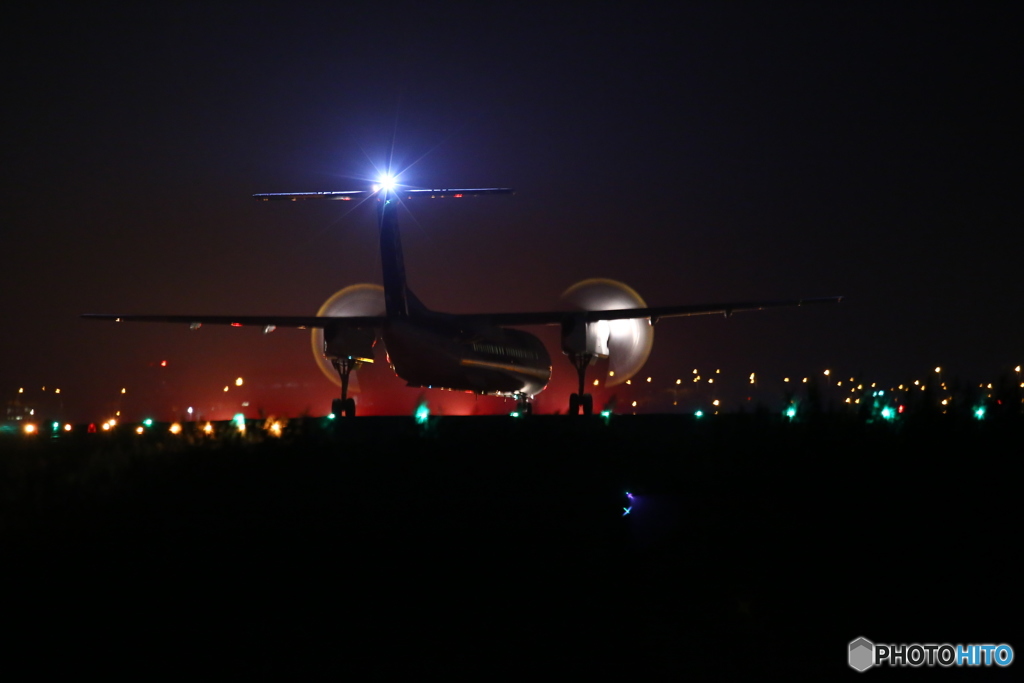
139,429
208,429
30,428
67,427
938,369
123,390
648,379
679,381
225,387
238,382
175,428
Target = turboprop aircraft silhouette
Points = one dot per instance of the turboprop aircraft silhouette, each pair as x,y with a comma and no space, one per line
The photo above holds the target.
479,352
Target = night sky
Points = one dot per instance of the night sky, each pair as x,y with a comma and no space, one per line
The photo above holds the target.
708,152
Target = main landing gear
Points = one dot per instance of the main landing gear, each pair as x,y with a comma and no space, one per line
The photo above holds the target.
580,400
344,406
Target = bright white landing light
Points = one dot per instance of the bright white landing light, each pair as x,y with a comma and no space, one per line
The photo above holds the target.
387,183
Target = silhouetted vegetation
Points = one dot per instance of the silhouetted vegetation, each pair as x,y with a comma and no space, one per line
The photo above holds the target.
489,542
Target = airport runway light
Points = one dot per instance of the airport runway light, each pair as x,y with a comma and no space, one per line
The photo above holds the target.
805,380
30,428
208,429
55,426
225,387
123,390
105,426
238,382
785,379
715,402
139,429
331,416
711,380
597,382
56,391
679,381
887,413
275,428
695,371
148,422
611,373
67,427
514,413
979,413
175,428
21,390
648,379
629,381
938,369
827,373
422,413
699,413
190,411
791,412
634,404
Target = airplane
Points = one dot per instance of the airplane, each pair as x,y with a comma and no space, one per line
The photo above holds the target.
480,353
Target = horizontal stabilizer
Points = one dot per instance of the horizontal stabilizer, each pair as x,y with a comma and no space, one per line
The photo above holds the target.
401,193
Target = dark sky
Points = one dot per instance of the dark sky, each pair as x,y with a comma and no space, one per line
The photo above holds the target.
700,153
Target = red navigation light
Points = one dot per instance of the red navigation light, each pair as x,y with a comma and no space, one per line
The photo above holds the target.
236,324
163,364
457,195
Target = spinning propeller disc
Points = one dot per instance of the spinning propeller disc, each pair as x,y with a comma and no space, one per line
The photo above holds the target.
354,300
629,341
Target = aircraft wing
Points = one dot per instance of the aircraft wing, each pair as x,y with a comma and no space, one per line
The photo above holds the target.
653,312
300,321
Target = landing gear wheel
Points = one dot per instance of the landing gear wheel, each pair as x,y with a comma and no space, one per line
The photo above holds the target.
574,404
338,407
349,407
587,403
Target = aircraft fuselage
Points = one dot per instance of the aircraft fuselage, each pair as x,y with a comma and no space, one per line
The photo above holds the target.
436,353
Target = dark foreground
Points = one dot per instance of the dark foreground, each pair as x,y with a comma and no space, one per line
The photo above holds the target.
482,545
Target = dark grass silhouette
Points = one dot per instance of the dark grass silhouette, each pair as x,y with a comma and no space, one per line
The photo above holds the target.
482,544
